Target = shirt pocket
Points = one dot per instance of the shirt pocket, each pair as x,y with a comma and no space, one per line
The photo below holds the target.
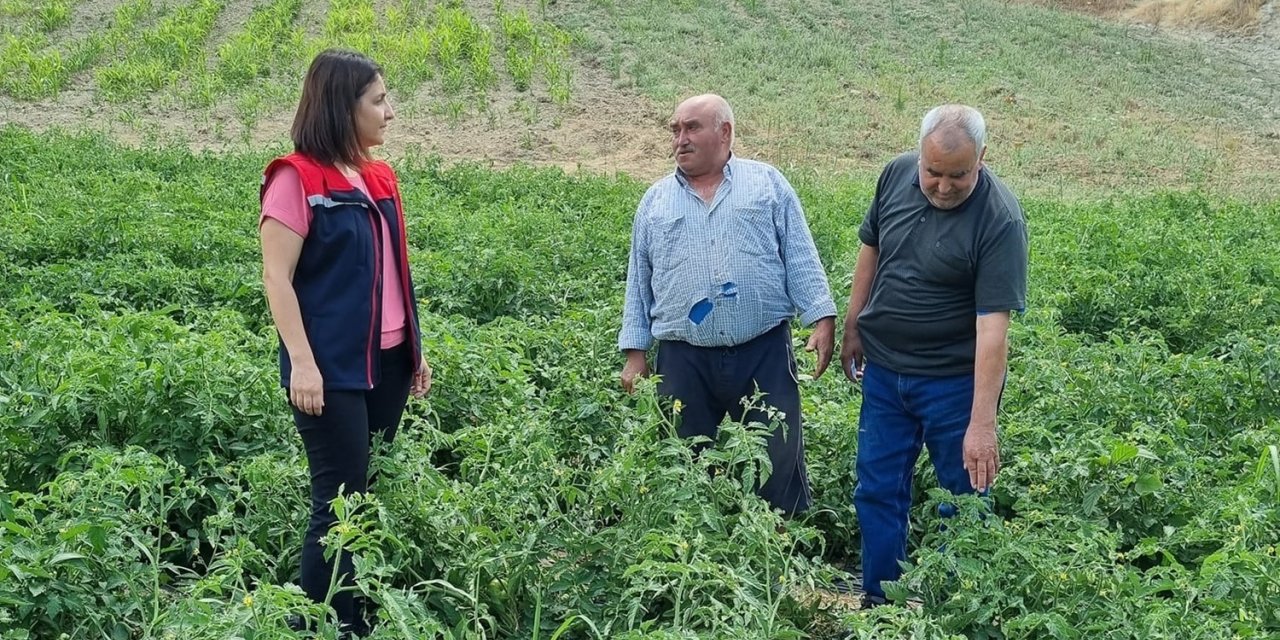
948,263
754,230
669,244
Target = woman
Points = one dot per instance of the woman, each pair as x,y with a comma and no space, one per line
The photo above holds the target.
336,270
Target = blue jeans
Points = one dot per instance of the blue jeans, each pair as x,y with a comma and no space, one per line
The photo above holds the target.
899,414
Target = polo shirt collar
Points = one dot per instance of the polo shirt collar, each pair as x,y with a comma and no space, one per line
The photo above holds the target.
982,176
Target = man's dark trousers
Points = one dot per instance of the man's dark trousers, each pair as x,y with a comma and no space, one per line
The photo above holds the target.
711,382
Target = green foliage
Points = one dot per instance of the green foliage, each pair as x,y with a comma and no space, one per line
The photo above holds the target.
86,557
269,44
1190,269
350,24
531,45
154,485
34,15
29,72
159,49
160,56
521,39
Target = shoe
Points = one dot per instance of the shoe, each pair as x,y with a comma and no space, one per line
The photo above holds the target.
871,600
850,586
297,623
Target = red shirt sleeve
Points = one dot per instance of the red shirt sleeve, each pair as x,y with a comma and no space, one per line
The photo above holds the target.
284,201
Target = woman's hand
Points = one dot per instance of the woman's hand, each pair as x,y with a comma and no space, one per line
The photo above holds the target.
306,388
421,385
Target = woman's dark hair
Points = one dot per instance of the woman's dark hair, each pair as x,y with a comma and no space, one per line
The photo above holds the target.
324,126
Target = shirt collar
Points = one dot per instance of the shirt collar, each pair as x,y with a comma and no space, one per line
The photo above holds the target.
728,170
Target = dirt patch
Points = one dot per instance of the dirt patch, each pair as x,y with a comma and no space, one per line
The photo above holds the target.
1096,7
1230,19
602,130
312,18
235,14
89,16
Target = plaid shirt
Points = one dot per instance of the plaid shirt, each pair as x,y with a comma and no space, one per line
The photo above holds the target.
721,274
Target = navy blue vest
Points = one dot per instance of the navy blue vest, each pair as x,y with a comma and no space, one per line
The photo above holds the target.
338,279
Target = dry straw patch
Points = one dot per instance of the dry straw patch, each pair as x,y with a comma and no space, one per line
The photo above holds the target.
1221,14
1225,15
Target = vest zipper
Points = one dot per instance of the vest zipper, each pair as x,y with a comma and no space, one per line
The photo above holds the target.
375,299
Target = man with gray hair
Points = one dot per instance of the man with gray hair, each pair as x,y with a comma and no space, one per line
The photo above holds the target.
721,261
943,262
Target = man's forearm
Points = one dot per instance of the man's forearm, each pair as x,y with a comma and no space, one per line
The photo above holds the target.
864,273
990,361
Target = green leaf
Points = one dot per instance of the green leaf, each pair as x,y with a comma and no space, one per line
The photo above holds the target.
66,556
1123,452
1091,498
16,528
1147,484
98,537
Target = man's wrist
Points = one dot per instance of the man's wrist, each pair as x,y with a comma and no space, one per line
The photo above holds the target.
982,425
851,320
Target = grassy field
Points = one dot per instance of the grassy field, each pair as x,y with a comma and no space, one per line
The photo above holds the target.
1079,106
152,484
1075,103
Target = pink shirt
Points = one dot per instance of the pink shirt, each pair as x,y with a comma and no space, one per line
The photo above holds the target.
285,202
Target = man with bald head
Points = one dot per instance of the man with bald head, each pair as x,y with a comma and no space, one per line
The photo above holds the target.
943,262
721,261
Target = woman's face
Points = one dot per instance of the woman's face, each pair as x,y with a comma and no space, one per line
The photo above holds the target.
372,113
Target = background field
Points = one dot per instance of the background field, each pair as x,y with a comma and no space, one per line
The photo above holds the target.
1077,104
152,485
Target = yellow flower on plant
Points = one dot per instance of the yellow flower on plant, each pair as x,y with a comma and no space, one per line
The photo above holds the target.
677,406
248,601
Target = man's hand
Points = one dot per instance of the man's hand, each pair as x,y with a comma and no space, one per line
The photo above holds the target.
981,455
851,356
636,367
822,340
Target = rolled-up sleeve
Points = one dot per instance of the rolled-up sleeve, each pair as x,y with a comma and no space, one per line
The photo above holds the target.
806,280
636,330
